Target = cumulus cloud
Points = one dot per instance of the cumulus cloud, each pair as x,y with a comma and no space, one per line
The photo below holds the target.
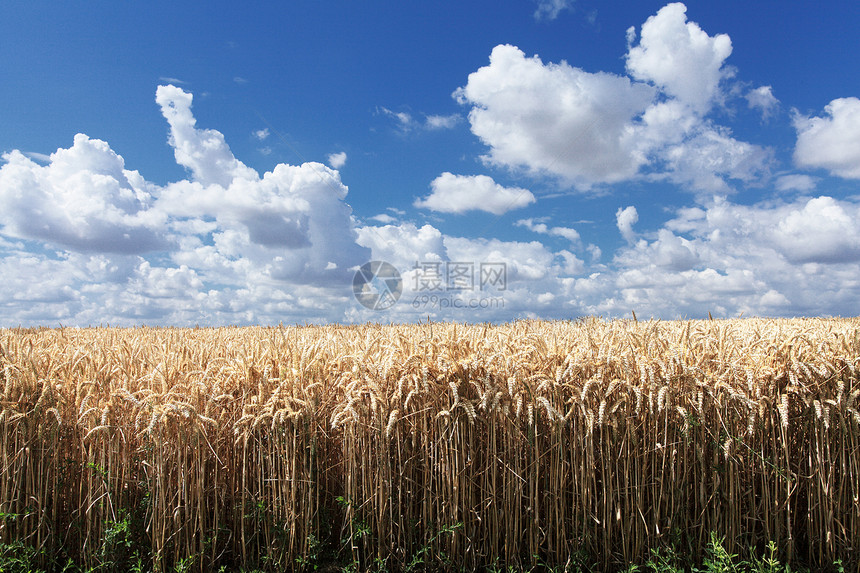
669,252
555,118
404,245
710,157
498,280
83,199
224,246
202,151
262,134
297,210
724,258
337,160
794,257
461,193
86,240
822,231
292,224
625,219
815,230
680,57
383,218
588,129
831,142
797,257
762,99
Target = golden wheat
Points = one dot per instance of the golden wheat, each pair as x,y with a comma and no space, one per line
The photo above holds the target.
502,444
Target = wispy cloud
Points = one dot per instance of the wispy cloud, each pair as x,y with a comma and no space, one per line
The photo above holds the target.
406,122
550,9
442,121
542,228
169,80
403,120
762,99
384,218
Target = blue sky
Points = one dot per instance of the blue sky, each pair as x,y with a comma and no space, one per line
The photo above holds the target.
170,163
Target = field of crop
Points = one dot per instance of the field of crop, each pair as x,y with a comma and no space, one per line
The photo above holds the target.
399,447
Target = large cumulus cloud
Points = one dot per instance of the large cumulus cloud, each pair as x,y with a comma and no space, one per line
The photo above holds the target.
831,142
83,199
680,57
554,117
597,128
100,243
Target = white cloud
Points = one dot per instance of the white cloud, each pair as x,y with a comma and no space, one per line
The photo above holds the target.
290,225
461,193
262,134
799,258
707,158
550,9
822,231
527,262
571,265
529,275
337,160
38,157
442,121
555,118
568,233
83,199
535,279
831,142
169,80
85,240
226,246
405,121
762,99
202,151
680,57
403,245
795,182
669,252
383,218
588,129
625,219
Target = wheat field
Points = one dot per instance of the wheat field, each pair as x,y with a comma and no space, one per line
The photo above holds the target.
434,445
